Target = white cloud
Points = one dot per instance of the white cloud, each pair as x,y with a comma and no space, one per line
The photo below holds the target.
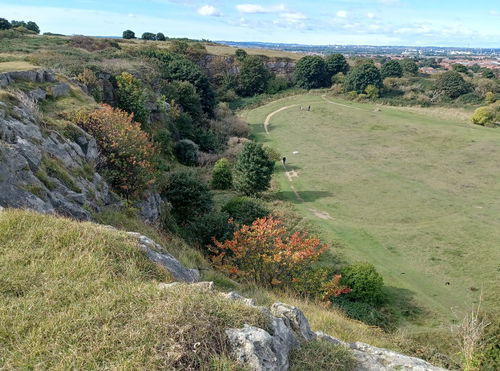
259,9
209,11
341,14
495,12
293,16
370,15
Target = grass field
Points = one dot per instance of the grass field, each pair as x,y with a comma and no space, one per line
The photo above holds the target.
412,193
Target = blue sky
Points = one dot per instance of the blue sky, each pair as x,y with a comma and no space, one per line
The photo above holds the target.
372,22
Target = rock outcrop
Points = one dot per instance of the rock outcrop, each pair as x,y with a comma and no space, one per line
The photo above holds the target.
157,254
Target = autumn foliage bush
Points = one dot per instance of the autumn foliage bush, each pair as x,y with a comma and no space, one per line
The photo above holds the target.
265,253
129,153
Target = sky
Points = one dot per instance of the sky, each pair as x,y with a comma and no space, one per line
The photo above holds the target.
463,23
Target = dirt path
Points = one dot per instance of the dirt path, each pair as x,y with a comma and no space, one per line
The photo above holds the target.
293,174
268,118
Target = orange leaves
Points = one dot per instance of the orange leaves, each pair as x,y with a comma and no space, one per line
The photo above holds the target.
266,252
128,150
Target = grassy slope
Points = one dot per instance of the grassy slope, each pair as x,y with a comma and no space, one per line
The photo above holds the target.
79,295
413,194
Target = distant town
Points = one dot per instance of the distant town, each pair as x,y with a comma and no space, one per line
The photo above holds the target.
438,57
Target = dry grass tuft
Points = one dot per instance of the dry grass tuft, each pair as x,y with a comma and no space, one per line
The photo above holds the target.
81,296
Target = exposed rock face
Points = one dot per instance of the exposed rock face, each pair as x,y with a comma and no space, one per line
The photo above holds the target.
69,185
151,207
8,78
262,350
176,269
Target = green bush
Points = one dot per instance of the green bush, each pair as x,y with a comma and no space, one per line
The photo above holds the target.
160,36
470,98
131,97
372,91
484,116
189,196
244,210
363,312
148,36
336,63
276,84
253,170
5,24
490,97
253,76
207,226
222,177
186,151
409,66
366,283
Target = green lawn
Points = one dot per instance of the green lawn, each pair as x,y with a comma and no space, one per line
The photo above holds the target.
416,195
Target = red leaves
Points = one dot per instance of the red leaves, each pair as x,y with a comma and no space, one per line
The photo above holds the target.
266,252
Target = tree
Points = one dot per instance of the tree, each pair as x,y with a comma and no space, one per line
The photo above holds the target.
160,36
361,76
488,74
5,24
311,72
182,69
336,63
148,36
131,97
240,54
266,253
452,84
391,69
128,34
188,195
253,76
372,91
32,26
185,94
460,68
409,66
222,177
253,170
16,24
186,151
365,282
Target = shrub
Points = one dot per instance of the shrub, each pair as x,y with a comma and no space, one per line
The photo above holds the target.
321,356
364,280
372,91
484,116
160,36
131,97
272,154
91,44
319,283
128,34
488,74
32,26
452,84
245,210
361,76
94,85
222,177
392,69
311,72
363,312
470,98
188,195
265,253
276,84
240,54
253,170
208,226
185,94
186,151
130,155
490,97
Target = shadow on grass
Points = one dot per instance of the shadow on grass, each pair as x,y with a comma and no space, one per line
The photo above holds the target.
402,306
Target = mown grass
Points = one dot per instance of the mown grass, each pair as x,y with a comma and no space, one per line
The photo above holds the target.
81,296
409,192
